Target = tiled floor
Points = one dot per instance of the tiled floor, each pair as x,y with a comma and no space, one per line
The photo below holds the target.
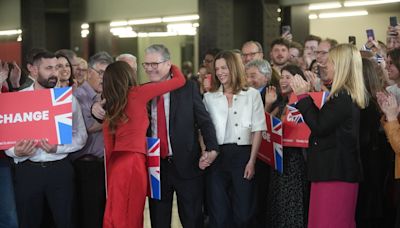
175,219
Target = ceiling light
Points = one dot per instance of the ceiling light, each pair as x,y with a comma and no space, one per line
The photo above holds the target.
312,16
181,18
328,5
118,23
85,26
367,3
10,32
145,21
343,14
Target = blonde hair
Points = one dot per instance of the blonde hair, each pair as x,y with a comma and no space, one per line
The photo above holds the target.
236,69
348,73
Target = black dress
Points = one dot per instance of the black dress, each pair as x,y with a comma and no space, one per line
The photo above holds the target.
288,195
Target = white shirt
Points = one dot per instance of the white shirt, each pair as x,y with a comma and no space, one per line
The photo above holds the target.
248,114
395,90
79,136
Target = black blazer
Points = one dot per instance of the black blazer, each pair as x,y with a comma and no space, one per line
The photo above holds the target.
186,116
334,153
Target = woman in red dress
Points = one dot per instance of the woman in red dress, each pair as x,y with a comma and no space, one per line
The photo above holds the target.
124,132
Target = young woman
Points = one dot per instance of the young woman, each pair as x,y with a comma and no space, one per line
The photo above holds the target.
288,192
334,164
65,77
238,116
124,131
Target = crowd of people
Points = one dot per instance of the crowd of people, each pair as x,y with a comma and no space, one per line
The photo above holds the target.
210,127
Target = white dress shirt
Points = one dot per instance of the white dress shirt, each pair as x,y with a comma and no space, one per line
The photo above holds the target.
79,136
248,114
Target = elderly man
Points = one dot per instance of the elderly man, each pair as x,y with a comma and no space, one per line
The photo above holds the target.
251,50
128,58
259,73
88,162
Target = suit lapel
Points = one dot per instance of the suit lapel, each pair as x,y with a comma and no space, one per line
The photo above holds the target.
173,106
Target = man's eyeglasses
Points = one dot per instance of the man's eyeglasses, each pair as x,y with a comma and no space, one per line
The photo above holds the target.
208,60
153,65
100,72
250,54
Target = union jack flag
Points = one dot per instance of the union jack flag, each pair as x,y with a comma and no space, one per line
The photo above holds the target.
271,150
153,166
63,122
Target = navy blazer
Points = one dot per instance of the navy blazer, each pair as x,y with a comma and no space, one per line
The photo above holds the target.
334,153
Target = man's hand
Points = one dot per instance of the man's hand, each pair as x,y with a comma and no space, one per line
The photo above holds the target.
98,111
25,148
44,144
207,159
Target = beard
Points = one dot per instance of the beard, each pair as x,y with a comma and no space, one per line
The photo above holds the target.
49,83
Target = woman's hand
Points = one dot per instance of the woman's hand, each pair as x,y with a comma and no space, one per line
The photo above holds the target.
270,95
249,171
299,86
388,105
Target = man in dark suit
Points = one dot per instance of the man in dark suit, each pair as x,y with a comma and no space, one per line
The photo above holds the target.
184,114
258,76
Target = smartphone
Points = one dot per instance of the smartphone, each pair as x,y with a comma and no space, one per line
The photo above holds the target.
393,21
352,40
370,33
286,29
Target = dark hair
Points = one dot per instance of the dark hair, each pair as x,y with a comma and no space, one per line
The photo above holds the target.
236,69
293,69
280,41
312,37
394,54
373,83
31,54
118,78
69,54
71,77
42,55
212,51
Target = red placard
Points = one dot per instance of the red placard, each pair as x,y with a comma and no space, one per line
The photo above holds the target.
295,130
39,114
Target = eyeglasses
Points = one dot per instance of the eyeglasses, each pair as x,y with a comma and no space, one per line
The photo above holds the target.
99,72
153,65
250,54
81,70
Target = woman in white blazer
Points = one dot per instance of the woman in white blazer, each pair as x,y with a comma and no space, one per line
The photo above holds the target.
238,116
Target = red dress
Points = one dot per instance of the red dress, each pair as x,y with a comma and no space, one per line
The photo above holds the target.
125,156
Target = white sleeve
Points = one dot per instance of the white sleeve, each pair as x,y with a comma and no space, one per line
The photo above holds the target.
258,117
79,132
11,153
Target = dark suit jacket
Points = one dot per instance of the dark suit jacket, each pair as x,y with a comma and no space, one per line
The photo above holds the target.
187,115
334,153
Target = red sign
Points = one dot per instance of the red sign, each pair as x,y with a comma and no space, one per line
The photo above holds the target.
295,130
39,114
271,144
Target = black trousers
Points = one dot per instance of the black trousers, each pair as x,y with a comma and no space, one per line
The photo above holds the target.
37,183
189,194
230,197
90,193
262,179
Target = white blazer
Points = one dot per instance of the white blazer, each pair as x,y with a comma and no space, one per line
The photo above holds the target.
248,114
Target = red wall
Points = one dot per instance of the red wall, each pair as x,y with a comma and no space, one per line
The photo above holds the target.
10,51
